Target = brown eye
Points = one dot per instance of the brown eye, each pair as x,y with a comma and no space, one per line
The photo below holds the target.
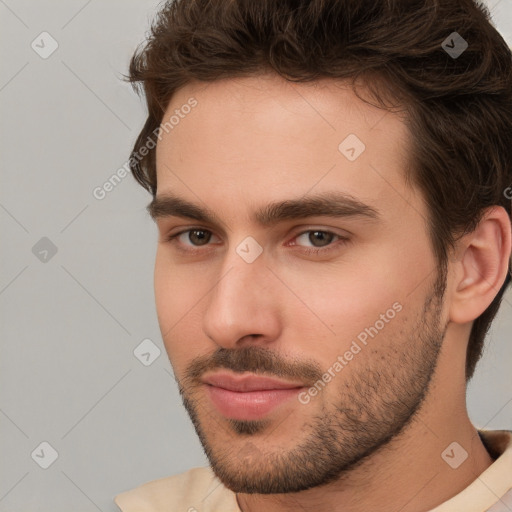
198,236
319,242
190,238
316,238
320,238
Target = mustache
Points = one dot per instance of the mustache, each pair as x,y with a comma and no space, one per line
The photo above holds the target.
256,360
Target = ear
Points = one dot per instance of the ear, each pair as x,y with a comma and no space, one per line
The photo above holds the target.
482,265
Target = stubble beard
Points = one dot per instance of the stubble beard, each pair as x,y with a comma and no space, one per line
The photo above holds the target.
381,399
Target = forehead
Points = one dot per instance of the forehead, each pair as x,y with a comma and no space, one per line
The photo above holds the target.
265,94
263,137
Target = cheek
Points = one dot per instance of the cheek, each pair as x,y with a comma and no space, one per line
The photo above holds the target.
363,298
339,301
176,289
178,294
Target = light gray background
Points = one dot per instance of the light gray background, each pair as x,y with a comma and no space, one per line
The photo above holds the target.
69,325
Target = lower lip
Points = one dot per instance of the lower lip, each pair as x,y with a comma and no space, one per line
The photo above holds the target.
249,405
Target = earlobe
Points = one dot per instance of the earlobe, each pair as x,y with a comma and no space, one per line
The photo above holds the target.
483,266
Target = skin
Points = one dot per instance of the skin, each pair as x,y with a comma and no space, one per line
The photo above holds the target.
372,439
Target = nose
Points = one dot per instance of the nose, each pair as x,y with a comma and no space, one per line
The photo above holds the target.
242,309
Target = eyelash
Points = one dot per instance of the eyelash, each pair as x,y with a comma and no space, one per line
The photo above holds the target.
310,251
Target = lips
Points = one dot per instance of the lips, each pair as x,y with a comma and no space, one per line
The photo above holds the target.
248,397
244,383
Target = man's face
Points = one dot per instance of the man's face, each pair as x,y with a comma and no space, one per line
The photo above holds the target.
336,304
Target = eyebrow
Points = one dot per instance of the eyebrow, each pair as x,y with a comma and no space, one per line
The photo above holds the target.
330,204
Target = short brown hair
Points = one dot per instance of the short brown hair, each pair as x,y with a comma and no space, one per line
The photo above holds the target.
459,108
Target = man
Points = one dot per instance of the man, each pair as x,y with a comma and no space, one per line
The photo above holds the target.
331,185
